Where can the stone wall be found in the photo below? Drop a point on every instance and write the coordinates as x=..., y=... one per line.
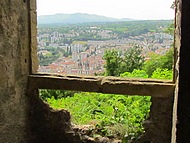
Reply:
x=159, y=124
x=177, y=50
x=14, y=69
x=182, y=103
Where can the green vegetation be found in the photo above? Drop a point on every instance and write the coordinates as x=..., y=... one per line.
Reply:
x=162, y=74
x=55, y=94
x=111, y=115
x=119, y=116
x=116, y=63
x=135, y=74
x=49, y=55
x=159, y=61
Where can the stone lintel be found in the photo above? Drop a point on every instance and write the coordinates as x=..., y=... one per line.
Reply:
x=110, y=85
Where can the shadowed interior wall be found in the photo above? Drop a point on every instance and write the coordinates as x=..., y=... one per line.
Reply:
x=183, y=86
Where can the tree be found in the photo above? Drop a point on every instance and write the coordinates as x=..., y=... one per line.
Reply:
x=116, y=63
x=162, y=74
x=159, y=61
x=133, y=59
x=151, y=65
x=170, y=29
x=113, y=61
x=167, y=60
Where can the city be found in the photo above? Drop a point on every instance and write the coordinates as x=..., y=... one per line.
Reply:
x=79, y=49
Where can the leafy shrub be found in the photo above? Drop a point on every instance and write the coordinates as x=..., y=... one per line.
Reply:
x=162, y=74
x=56, y=94
x=136, y=73
x=159, y=61
x=112, y=115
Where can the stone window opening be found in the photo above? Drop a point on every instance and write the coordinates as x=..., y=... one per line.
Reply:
x=161, y=92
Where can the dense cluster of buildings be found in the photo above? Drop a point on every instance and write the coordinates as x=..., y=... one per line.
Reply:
x=87, y=57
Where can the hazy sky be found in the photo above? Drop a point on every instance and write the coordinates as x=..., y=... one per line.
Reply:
x=136, y=9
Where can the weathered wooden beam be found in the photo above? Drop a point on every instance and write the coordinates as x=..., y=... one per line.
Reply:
x=111, y=85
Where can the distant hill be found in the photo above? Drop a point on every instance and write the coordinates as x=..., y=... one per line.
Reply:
x=76, y=18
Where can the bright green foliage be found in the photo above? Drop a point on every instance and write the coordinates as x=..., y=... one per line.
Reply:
x=167, y=60
x=159, y=61
x=152, y=64
x=115, y=115
x=170, y=29
x=56, y=94
x=133, y=59
x=135, y=74
x=162, y=74
x=111, y=114
x=117, y=64
x=113, y=61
